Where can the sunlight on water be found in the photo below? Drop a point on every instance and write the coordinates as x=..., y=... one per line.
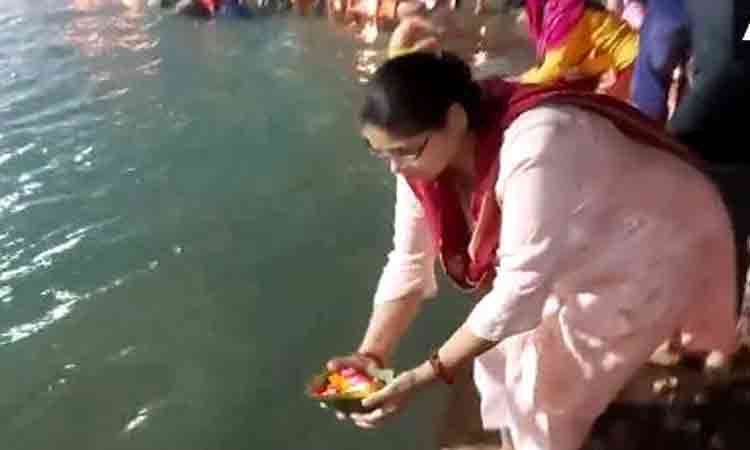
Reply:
x=137, y=421
x=366, y=63
x=22, y=331
x=65, y=300
x=369, y=33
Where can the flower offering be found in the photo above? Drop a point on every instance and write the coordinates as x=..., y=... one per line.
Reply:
x=344, y=389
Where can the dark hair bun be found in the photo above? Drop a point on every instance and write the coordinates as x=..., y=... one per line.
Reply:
x=412, y=93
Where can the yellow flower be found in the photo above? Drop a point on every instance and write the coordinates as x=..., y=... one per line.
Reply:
x=339, y=382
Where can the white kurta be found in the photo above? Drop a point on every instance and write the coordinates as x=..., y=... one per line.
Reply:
x=607, y=247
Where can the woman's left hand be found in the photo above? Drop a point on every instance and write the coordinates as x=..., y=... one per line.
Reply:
x=393, y=397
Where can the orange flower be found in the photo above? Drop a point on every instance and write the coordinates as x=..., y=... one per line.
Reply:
x=339, y=382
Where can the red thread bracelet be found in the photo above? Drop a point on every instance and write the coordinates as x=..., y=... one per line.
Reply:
x=439, y=368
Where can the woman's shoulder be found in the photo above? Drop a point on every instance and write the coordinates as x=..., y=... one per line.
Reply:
x=542, y=117
x=545, y=133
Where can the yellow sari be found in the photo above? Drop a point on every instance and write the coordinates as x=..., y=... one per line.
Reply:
x=599, y=42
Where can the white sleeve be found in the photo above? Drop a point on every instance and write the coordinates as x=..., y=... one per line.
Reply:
x=411, y=264
x=537, y=188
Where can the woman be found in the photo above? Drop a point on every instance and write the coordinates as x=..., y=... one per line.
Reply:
x=576, y=39
x=573, y=219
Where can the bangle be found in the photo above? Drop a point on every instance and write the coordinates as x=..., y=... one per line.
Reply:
x=395, y=51
x=439, y=368
x=373, y=357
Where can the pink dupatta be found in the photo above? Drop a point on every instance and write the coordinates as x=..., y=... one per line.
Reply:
x=550, y=21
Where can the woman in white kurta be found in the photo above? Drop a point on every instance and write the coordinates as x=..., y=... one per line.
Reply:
x=607, y=247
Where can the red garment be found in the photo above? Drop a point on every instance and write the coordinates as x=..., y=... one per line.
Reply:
x=211, y=5
x=469, y=257
x=551, y=20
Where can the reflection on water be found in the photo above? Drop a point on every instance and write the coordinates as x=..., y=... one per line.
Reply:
x=366, y=63
x=98, y=34
x=137, y=421
x=131, y=6
x=18, y=332
x=369, y=33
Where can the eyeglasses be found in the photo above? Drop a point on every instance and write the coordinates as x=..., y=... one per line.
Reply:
x=401, y=153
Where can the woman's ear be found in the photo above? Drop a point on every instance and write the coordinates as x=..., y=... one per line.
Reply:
x=456, y=119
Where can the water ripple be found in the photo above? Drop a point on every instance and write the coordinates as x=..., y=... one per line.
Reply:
x=143, y=415
x=7, y=155
x=137, y=421
x=67, y=299
x=5, y=292
x=150, y=68
x=96, y=35
x=9, y=203
x=24, y=330
x=42, y=201
x=8, y=259
x=44, y=258
x=61, y=109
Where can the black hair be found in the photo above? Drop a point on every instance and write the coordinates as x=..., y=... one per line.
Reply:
x=412, y=93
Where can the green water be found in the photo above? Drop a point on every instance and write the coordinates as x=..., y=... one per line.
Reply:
x=189, y=227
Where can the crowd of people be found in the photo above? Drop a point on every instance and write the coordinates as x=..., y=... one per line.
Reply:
x=595, y=206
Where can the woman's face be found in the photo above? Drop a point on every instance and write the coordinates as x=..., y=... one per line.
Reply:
x=424, y=155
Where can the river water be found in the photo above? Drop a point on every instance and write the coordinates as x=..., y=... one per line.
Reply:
x=189, y=226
